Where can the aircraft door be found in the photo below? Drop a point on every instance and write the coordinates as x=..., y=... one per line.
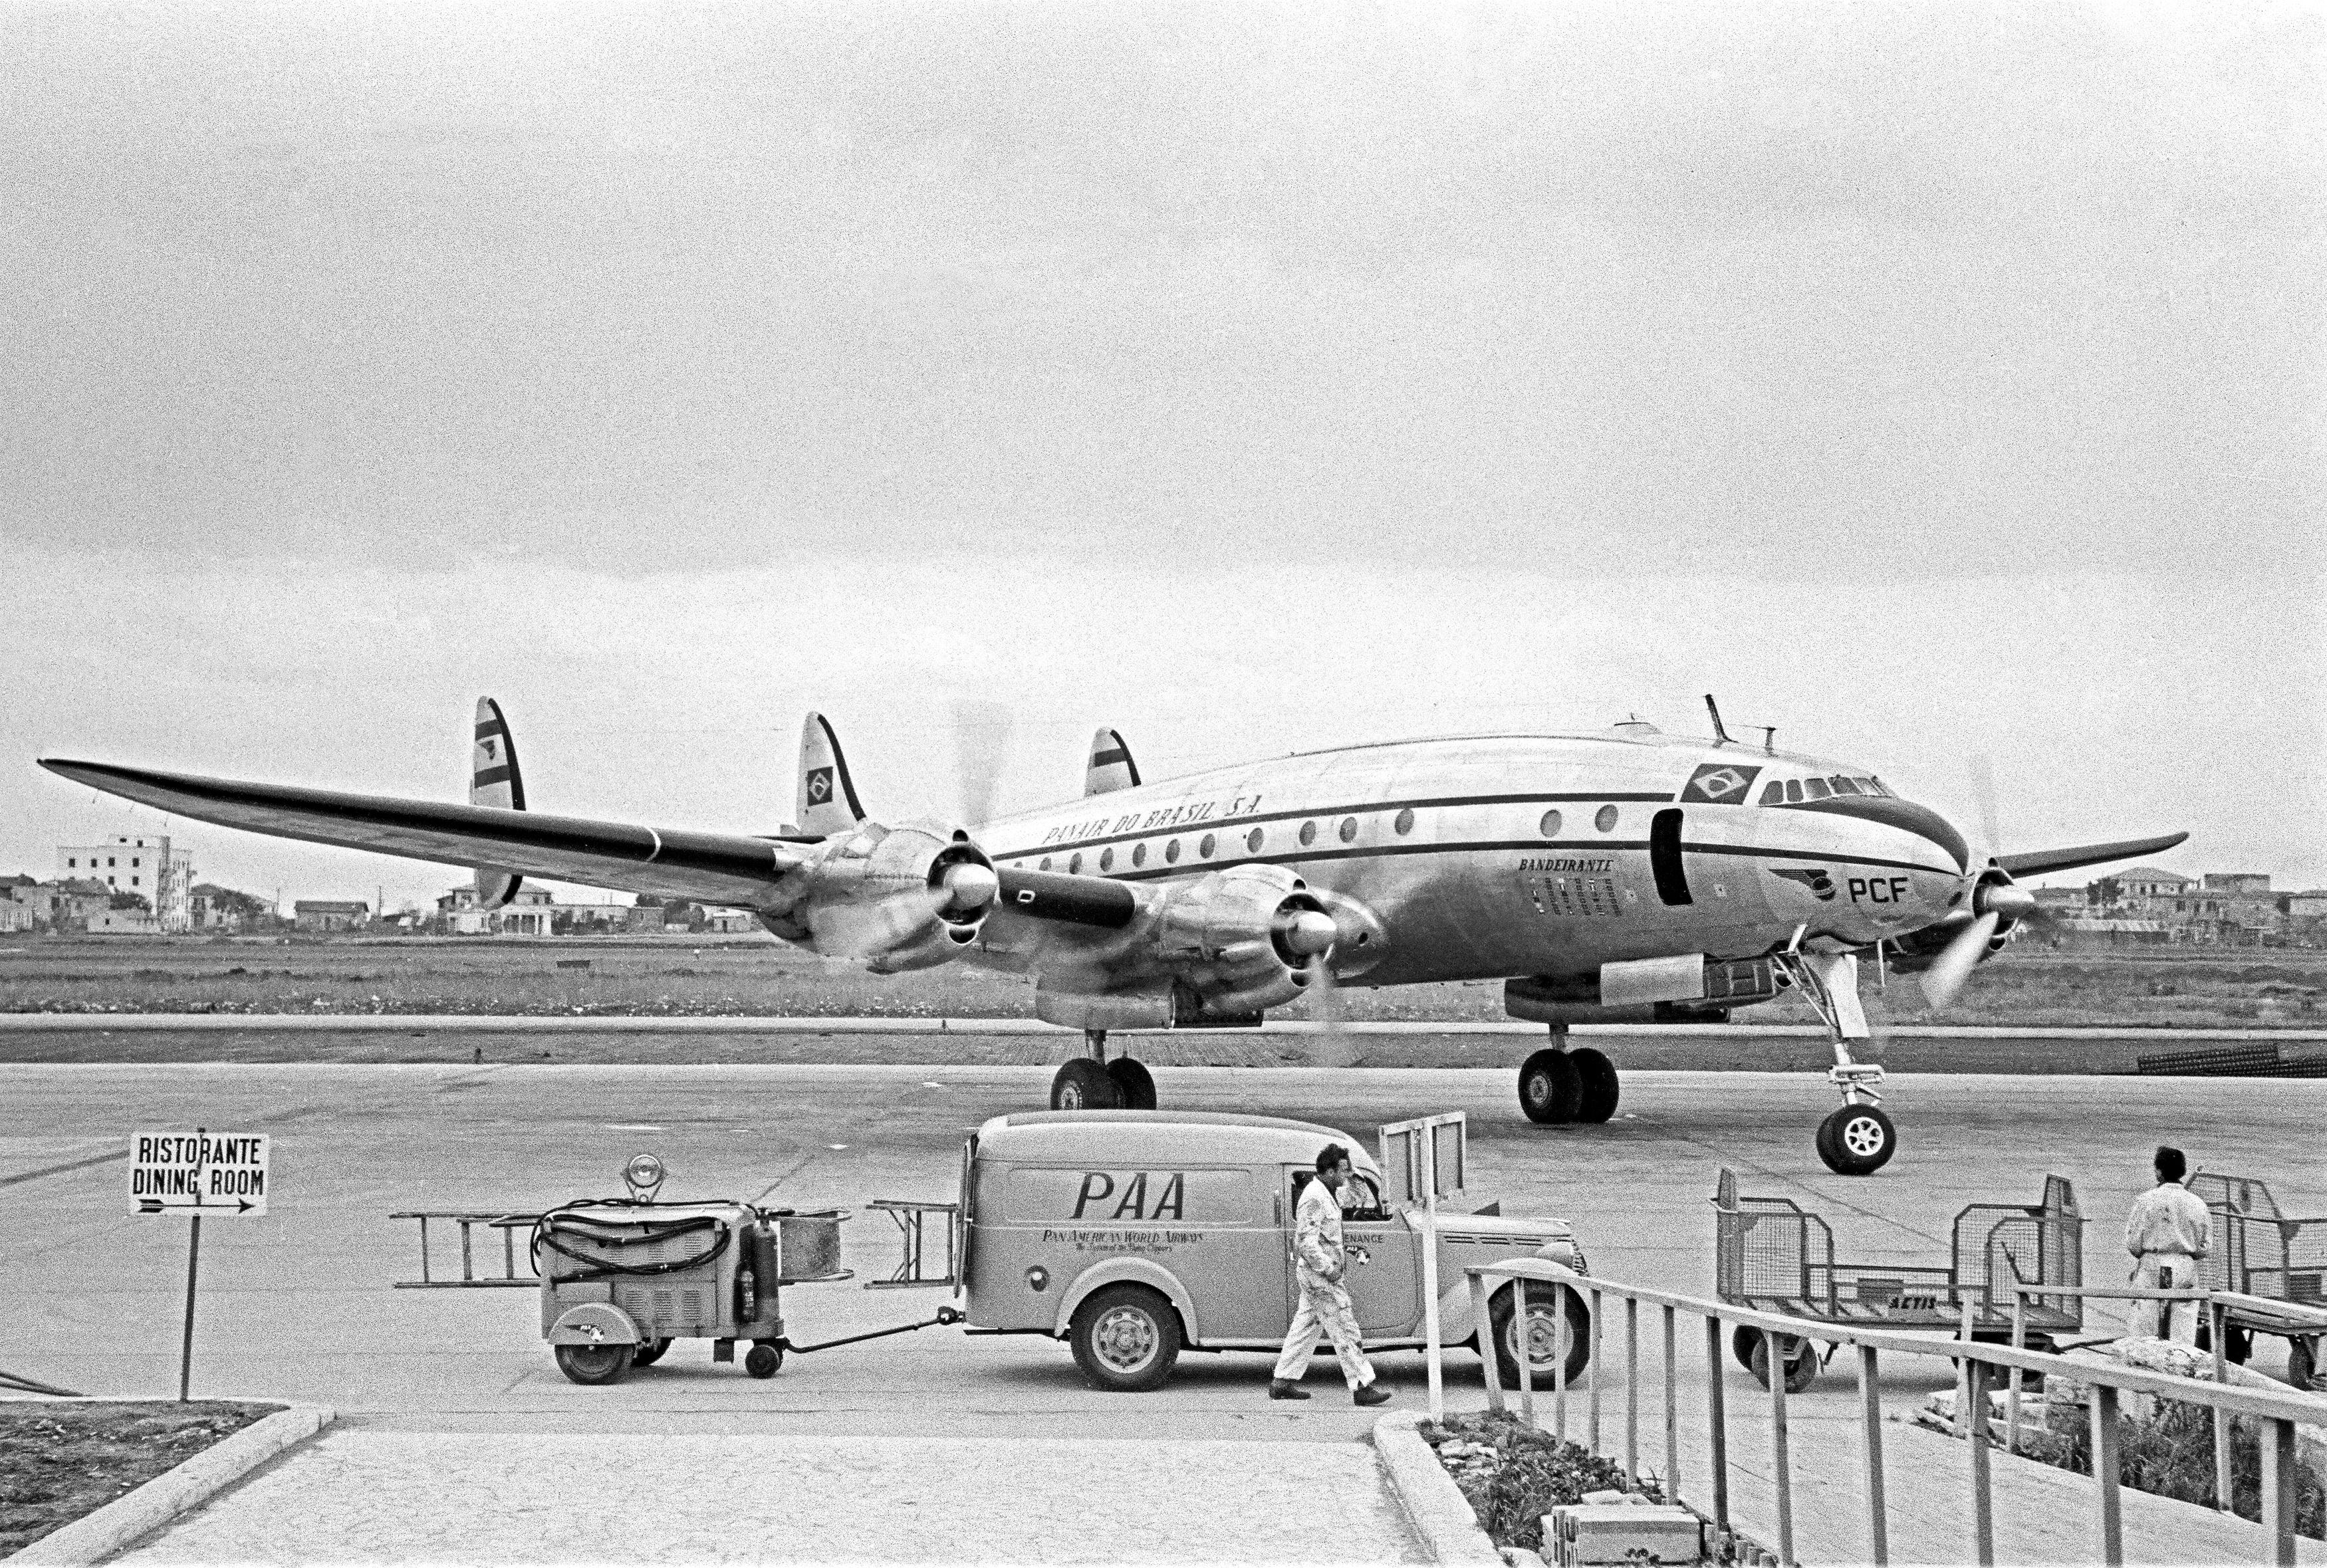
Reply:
x=1664, y=857
x=1385, y=1290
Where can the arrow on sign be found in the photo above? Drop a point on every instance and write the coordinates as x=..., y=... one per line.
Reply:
x=155, y=1206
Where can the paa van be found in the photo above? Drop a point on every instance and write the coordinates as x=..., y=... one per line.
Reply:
x=1137, y=1234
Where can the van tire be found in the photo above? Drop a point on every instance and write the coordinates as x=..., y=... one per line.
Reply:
x=1578, y=1318
x=1126, y=1337
x=594, y=1365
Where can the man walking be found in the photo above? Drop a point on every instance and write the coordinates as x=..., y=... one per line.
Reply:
x=2169, y=1233
x=1318, y=1262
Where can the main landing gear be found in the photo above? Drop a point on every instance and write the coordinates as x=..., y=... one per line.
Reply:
x=1093, y=1083
x=1560, y=1084
x=1857, y=1140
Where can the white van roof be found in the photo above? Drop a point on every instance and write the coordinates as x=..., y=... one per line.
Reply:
x=1205, y=1136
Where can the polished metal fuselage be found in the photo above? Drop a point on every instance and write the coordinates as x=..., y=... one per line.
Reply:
x=1506, y=856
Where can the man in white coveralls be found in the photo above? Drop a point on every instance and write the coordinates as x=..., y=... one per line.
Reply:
x=1318, y=1263
x=2169, y=1233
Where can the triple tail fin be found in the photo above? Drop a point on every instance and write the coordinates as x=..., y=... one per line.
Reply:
x=1111, y=766
x=827, y=795
x=494, y=781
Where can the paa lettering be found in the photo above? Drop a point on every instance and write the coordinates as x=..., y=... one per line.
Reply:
x=1881, y=890
x=1098, y=1186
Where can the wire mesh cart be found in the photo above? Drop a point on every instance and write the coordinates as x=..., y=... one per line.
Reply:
x=1773, y=1256
x=2260, y=1253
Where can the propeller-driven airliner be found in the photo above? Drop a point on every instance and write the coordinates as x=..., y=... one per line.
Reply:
x=1627, y=875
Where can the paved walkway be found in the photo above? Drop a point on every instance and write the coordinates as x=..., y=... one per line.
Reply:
x=399, y=1496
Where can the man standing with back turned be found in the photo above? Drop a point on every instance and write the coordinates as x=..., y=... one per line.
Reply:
x=2169, y=1233
x=1318, y=1262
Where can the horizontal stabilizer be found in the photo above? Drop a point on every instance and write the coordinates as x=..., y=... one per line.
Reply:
x=711, y=867
x=1111, y=766
x=2038, y=861
x=494, y=781
x=827, y=795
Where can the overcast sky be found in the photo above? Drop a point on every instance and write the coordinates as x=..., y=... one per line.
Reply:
x=1929, y=381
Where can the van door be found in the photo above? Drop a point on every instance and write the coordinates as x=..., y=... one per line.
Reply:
x=1385, y=1289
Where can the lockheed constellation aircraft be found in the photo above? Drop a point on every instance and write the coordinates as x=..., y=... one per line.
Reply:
x=1626, y=875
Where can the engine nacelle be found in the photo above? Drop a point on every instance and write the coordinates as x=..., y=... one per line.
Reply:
x=890, y=898
x=1233, y=939
x=1917, y=950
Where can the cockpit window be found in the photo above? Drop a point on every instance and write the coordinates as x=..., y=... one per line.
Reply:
x=1793, y=791
x=1816, y=789
x=1842, y=785
x=1773, y=793
x=1875, y=787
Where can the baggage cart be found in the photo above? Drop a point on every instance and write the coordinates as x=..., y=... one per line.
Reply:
x=2264, y=1255
x=1773, y=1256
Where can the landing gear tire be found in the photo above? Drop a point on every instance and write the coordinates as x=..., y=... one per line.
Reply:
x=649, y=1351
x=1858, y=1141
x=594, y=1363
x=1550, y=1088
x=1552, y=1326
x=1801, y=1361
x=1082, y=1085
x=1134, y=1086
x=1126, y=1339
x=763, y=1359
x=1599, y=1087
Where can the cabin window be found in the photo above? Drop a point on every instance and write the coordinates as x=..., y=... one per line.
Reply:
x=1139, y=853
x=1252, y=841
x=1106, y=859
x=1403, y=822
x=1308, y=833
x=1075, y=863
x=1816, y=789
x=1606, y=821
x=1205, y=847
x=1172, y=852
x=1549, y=825
x=1349, y=829
x=1045, y=865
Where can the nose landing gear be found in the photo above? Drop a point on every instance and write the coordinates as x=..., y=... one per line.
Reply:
x=1859, y=1139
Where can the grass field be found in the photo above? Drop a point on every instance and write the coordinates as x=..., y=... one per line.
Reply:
x=762, y=977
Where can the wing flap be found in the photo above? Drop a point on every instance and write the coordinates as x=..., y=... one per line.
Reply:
x=719, y=868
x=2038, y=861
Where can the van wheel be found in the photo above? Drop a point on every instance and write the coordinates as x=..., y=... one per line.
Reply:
x=594, y=1363
x=1126, y=1339
x=1556, y=1321
x=1082, y=1085
x=647, y=1352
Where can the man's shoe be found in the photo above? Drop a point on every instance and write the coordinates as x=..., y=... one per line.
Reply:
x=1371, y=1393
x=1278, y=1388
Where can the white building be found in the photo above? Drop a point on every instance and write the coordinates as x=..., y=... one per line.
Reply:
x=145, y=864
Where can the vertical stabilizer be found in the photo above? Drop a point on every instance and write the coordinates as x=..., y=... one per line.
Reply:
x=494, y=781
x=1111, y=766
x=827, y=795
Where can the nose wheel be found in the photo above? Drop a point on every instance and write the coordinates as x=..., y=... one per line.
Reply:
x=1859, y=1139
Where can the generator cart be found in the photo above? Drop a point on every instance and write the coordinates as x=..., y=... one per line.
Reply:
x=2262, y=1254
x=622, y=1278
x=1773, y=1256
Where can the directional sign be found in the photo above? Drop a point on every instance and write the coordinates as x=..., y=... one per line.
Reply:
x=200, y=1172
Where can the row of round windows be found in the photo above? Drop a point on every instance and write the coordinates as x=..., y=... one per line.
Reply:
x=1401, y=825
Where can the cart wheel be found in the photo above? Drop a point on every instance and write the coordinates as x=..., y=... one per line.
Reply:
x=2302, y=1364
x=1858, y=1141
x=1134, y=1086
x=1600, y=1087
x=594, y=1363
x=1801, y=1363
x=763, y=1359
x=649, y=1351
x=1550, y=1329
x=1126, y=1339
x=2236, y=1345
x=1082, y=1085
x=1742, y=1340
x=1550, y=1088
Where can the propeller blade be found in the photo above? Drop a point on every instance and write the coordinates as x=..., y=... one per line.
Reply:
x=981, y=742
x=1334, y=1048
x=1953, y=966
x=1983, y=793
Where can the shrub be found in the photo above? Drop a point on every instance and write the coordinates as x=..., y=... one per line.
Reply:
x=2172, y=1454
x=1531, y=1472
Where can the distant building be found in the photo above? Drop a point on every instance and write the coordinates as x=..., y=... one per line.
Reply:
x=2310, y=905
x=2237, y=882
x=2145, y=884
x=323, y=915
x=112, y=922
x=730, y=921
x=18, y=900
x=142, y=864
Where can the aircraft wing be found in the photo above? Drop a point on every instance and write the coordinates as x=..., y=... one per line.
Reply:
x=2037, y=862
x=712, y=867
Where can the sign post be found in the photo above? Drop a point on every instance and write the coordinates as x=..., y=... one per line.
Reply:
x=222, y=1175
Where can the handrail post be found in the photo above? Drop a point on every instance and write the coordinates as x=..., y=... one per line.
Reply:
x=2278, y=1494
x=1870, y=1410
x=468, y=1258
x=2012, y=1389
x=2220, y=1322
x=1592, y=1399
x=1983, y=1508
x=1716, y=1422
x=1781, y=1471
x=1631, y=1394
x=1672, y=1414
x=1963, y=1376
x=1522, y=1333
x=425, y=1278
x=2106, y=1465
x=1483, y=1324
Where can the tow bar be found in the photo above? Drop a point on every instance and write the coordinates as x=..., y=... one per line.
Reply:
x=946, y=1318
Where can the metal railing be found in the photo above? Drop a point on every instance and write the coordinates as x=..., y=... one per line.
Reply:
x=1981, y=1366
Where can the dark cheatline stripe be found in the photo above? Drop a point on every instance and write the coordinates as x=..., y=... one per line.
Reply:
x=1193, y=866
x=1109, y=759
x=1240, y=824
x=1905, y=814
x=492, y=776
x=491, y=728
